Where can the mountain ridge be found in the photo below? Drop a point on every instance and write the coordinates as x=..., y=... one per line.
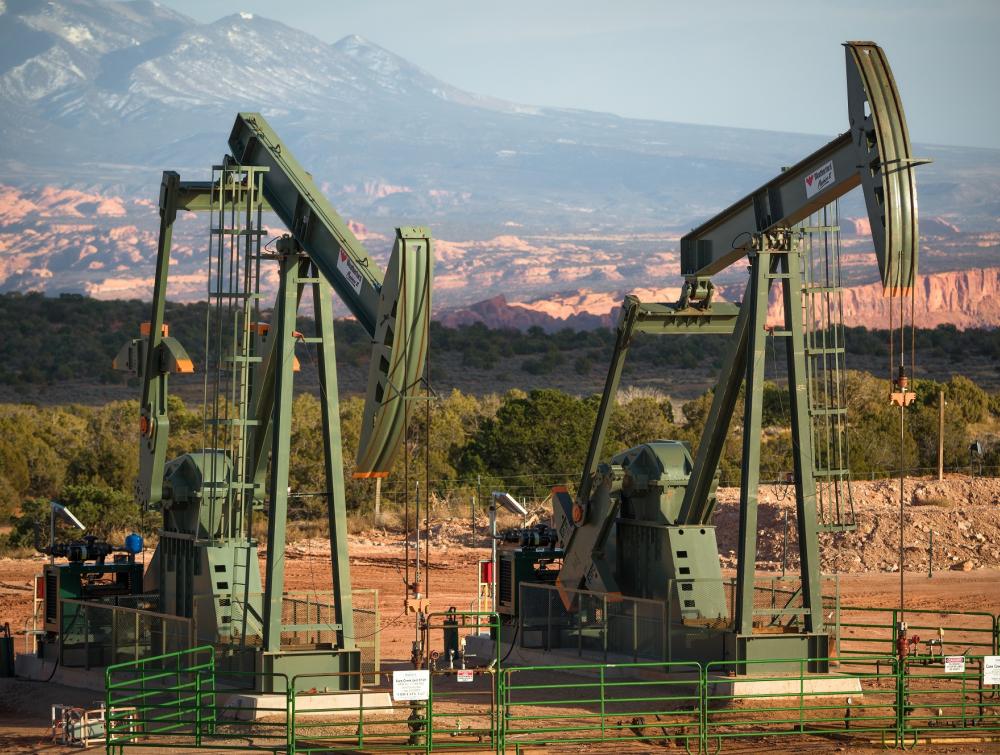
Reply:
x=965, y=299
x=525, y=201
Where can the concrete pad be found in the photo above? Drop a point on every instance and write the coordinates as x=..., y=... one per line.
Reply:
x=246, y=706
x=30, y=666
x=812, y=685
x=253, y=707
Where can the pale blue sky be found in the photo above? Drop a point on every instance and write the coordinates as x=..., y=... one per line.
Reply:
x=771, y=64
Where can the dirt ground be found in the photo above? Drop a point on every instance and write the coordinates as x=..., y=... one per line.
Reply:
x=377, y=559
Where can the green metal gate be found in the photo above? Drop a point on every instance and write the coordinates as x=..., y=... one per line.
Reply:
x=182, y=700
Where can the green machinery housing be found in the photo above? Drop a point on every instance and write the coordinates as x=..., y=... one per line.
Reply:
x=206, y=564
x=69, y=635
x=640, y=524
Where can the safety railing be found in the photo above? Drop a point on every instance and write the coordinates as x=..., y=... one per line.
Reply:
x=308, y=615
x=743, y=700
x=610, y=704
x=185, y=699
x=324, y=719
x=463, y=706
x=94, y=634
x=594, y=627
x=174, y=702
x=873, y=632
x=944, y=696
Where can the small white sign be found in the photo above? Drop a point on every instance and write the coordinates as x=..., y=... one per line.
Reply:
x=465, y=675
x=412, y=684
x=347, y=268
x=954, y=664
x=819, y=179
x=991, y=669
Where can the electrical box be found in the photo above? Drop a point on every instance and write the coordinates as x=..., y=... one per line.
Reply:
x=526, y=555
x=83, y=581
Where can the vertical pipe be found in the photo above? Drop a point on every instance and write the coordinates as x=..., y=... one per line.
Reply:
x=416, y=528
x=902, y=476
x=493, y=556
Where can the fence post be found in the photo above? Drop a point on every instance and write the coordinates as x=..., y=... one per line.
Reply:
x=606, y=623
x=703, y=706
x=602, y=704
x=802, y=697
x=361, y=709
x=290, y=714
x=197, y=709
x=429, y=709
x=500, y=724
x=900, y=698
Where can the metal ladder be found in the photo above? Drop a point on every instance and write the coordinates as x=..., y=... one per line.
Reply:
x=823, y=327
x=231, y=320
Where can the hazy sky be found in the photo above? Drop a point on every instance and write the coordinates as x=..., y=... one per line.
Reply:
x=771, y=64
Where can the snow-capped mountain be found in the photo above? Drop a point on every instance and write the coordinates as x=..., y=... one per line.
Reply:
x=99, y=97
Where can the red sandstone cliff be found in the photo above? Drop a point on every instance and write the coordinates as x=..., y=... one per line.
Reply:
x=966, y=299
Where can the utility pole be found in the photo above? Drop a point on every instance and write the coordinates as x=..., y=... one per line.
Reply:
x=941, y=434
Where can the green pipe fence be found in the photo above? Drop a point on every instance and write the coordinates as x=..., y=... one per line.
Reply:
x=744, y=700
x=463, y=707
x=937, y=703
x=613, y=704
x=184, y=700
x=872, y=632
x=173, y=702
x=365, y=720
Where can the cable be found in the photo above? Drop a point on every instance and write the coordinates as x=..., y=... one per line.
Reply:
x=55, y=663
x=513, y=642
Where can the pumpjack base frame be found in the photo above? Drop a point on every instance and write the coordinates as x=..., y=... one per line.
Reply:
x=780, y=652
x=336, y=670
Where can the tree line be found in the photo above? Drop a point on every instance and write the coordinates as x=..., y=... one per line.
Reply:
x=49, y=340
x=522, y=441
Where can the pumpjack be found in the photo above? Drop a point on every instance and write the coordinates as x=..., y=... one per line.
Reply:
x=206, y=562
x=640, y=524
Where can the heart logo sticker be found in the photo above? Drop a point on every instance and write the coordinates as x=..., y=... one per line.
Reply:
x=809, y=180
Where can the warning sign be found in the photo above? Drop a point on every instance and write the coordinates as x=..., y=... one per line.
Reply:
x=819, y=179
x=991, y=669
x=954, y=664
x=465, y=675
x=347, y=268
x=411, y=684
